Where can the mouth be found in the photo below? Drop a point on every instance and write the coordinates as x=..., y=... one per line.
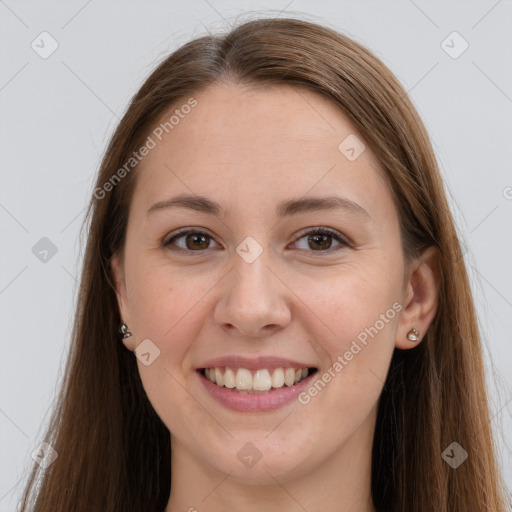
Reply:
x=256, y=381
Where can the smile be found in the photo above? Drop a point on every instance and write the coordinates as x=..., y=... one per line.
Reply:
x=254, y=386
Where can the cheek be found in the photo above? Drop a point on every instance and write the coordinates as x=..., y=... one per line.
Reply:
x=166, y=309
x=349, y=305
x=164, y=300
x=359, y=315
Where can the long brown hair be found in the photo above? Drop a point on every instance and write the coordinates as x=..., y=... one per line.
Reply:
x=114, y=451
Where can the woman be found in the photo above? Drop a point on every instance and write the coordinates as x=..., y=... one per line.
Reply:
x=274, y=309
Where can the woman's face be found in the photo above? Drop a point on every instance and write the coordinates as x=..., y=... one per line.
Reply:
x=259, y=286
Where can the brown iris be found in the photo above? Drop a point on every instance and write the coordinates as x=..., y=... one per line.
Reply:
x=323, y=240
x=197, y=239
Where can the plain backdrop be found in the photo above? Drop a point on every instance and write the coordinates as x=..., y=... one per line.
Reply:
x=58, y=111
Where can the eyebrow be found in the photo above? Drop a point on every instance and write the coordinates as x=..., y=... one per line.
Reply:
x=287, y=208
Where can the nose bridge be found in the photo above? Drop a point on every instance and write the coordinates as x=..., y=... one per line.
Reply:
x=252, y=280
x=252, y=299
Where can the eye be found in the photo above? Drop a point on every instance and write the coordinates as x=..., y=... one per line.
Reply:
x=320, y=240
x=193, y=241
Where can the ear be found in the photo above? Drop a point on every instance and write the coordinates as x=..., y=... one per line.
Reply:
x=421, y=297
x=120, y=287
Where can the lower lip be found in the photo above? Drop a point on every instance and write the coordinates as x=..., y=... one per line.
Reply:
x=264, y=402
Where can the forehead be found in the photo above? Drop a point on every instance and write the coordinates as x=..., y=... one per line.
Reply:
x=246, y=118
x=277, y=140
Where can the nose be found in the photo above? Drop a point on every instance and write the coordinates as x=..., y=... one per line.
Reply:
x=254, y=300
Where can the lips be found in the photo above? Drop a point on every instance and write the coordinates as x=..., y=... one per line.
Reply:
x=254, y=385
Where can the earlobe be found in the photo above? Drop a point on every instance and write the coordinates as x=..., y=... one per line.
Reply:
x=420, y=300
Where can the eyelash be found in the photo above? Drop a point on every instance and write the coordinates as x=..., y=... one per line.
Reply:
x=316, y=231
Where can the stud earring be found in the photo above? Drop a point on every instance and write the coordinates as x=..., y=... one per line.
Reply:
x=124, y=332
x=413, y=335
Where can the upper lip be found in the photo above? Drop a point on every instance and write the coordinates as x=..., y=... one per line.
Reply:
x=253, y=363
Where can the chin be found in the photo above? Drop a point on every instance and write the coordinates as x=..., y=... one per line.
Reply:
x=259, y=464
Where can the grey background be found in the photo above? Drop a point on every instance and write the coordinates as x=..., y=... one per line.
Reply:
x=58, y=113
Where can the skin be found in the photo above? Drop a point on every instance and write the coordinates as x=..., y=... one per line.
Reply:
x=249, y=149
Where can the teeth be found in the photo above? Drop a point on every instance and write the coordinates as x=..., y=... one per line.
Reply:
x=218, y=377
x=229, y=378
x=242, y=379
x=278, y=378
x=289, y=376
x=262, y=381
